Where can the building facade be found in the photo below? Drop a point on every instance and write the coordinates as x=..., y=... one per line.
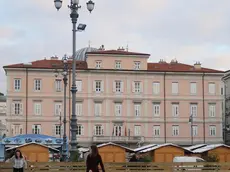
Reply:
x=121, y=98
x=2, y=115
x=226, y=118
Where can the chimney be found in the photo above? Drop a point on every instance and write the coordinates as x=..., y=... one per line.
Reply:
x=197, y=65
x=102, y=48
x=174, y=61
x=54, y=58
x=121, y=49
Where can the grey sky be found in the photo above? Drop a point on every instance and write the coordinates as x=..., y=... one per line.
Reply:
x=190, y=31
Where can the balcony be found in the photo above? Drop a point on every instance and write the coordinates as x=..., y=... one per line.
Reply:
x=118, y=139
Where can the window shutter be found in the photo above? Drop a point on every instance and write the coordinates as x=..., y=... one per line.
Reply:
x=20, y=129
x=94, y=130
x=54, y=130
x=33, y=129
x=141, y=87
x=102, y=130
x=62, y=130
x=102, y=86
x=12, y=129
x=40, y=129
x=133, y=87
x=13, y=109
x=122, y=86
x=82, y=130
x=21, y=109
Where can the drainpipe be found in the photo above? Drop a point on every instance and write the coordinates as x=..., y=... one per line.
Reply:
x=203, y=107
x=165, y=109
x=225, y=113
x=26, y=100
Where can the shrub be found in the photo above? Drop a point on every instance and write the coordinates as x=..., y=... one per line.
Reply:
x=211, y=158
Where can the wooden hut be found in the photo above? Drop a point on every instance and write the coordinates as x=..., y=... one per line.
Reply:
x=111, y=152
x=164, y=153
x=221, y=150
x=34, y=152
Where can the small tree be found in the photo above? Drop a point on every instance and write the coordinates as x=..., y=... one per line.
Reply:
x=74, y=156
x=211, y=158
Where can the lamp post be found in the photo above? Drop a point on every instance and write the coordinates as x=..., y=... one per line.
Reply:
x=65, y=79
x=74, y=6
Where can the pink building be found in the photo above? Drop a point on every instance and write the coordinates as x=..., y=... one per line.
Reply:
x=121, y=98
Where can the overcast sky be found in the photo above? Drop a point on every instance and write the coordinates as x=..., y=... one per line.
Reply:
x=190, y=31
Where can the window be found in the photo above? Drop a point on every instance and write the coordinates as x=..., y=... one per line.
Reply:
x=175, y=110
x=118, y=109
x=156, y=109
x=156, y=88
x=79, y=109
x=79, y=85
x=137, y=65
x=97, y=109
x=137, y=109
x=37, y=108
x=57, y=109
x=193, y=88
x=80, y=130
x=137, y=130
x=193, y=110
x=17, y=84
x=16, y=129
x=17, y=108
x=175, y=130
x=211, y=88
x=175, y=88
x=98, y=130
x=117, y=130
x=136, y=87
x=37, y=84
x=156, y=130
x=98, y=86
x=58, y=130
x=98, y=64
x=222, y=90
x=36, y=129
x=212, y=110
x=118, y=65
x=194, y=130
x=118, y=86
x=58, y=85
x=212, y=130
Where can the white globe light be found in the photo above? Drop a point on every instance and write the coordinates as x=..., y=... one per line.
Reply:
x=58, y=4
x=90, y=6
x=75, y=2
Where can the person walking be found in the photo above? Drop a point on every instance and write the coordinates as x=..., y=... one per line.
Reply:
x=19, y=162
x=93, y=160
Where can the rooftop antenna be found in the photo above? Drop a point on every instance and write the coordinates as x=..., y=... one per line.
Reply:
x=127, y=47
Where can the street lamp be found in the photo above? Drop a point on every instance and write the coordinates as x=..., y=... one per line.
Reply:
x=74, y=6
x=65, y=79
x=191, y=121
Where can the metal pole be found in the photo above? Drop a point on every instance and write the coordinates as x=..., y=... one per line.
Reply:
x=73, y=142
x=64, y=153
x=192, y=130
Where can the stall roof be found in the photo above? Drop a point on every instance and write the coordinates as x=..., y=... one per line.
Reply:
x=114, y=144
x=208, y=148
x=144, y=147
x=159, y=146
x=26, y=144
x=191, y=148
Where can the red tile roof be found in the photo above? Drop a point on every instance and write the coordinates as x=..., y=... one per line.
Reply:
x=118, y=52
x=153, y=67
x=47, y=64
x=178, y=67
